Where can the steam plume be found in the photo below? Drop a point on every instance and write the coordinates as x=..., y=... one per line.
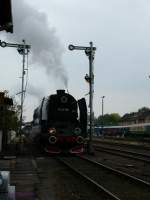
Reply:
x=36, y=92
x=32, y=25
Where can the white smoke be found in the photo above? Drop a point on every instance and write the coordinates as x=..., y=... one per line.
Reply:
x=46, y=49
x=36, y=92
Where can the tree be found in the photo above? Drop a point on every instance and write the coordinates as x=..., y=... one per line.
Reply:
x=12, y=117
x=108, y=119
x=9, y=112
x=144, y=109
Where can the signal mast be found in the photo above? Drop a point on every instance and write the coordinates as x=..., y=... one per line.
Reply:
x=23, y=49
x=90, y=52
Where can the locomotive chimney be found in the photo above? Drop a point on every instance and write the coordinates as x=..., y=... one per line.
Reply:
x=60, y=92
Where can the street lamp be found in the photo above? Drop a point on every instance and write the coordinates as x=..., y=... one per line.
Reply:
x=102, y=124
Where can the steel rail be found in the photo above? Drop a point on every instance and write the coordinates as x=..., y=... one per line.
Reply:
x=120, y=152
x=126, y=151
x=117, y=143
x=97, y=185
x=132, y=178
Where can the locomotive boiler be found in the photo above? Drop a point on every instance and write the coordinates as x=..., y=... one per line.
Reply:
x=60, y=123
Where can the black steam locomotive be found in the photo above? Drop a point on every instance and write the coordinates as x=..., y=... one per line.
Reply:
x=60, y=123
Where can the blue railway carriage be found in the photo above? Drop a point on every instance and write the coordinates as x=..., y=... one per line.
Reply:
x=138, y=130
x=134, y=130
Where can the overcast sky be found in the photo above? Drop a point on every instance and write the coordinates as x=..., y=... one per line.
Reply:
x=118, y=28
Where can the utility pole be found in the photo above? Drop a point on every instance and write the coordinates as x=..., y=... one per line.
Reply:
x=90, y=52
x=102, y=124
x=23, y=49
x=24, y=52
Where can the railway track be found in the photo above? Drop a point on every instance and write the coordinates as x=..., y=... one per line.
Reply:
x=114, y=183
x=56, y=182
x=122, y=144
x=124, y=153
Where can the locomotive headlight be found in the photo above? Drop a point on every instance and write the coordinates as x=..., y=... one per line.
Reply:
x=52, y=139
x=80, y=140
x=77, y=131
x=52, y=131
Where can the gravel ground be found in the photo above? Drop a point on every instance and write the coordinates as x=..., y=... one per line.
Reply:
x=44, y=178
x=53, y=181
x=131, y=166
x=117, y=184
x=138, y=147
x=59, y=183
